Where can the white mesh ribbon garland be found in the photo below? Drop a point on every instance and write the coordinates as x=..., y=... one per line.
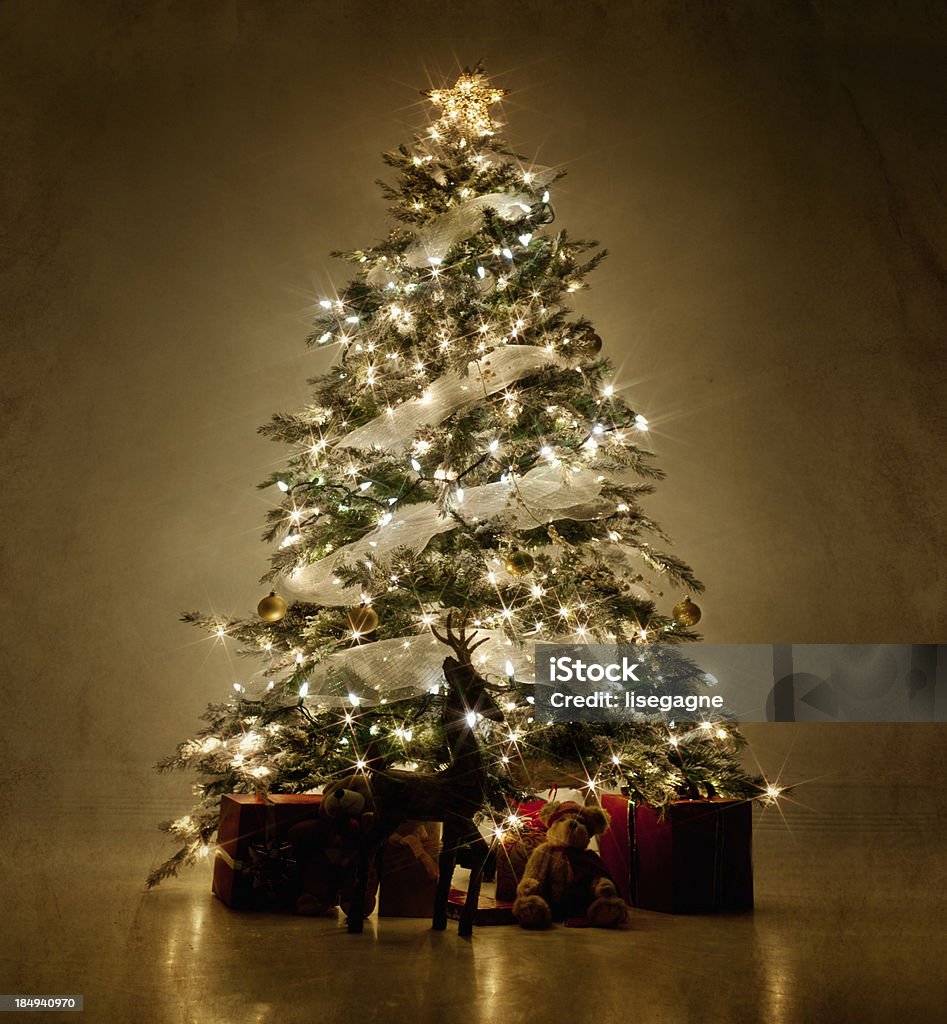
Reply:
x=410, y=666
x=452, y=391
x=545, y=493
x=439, y=236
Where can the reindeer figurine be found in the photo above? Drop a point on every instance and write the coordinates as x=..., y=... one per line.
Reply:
x=453, y=796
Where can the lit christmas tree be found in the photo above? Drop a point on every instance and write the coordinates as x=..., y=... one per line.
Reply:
x=469, y=450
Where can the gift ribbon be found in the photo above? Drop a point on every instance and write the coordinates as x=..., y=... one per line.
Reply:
x=231, y=862
x=633, y=854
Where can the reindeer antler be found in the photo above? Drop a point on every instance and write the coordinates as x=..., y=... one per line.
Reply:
x=460, y=644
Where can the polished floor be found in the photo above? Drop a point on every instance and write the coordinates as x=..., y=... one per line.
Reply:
x=848, y=927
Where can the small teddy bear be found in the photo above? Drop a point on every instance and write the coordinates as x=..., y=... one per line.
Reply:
x=327, y=848
x=565, y=880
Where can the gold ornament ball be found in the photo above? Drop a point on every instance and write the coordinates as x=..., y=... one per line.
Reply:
x=272, y=608
x=363, y=620
x=518, y=563
x=591, y=343
x=686, y=612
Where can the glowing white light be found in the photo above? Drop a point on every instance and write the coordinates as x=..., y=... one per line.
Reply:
x=525, y=239
x=282, y=485
x=415, y=465
x=640, y=422
x=507, y=253
x=508, y=668
x=354, y=700
x=325, y=303
x=471, y=717
x=481, y=273
x=304, y=689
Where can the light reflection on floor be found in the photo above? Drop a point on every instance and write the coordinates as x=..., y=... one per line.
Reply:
x=848, y=927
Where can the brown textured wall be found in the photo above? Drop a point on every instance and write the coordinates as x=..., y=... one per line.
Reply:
x=769, y=180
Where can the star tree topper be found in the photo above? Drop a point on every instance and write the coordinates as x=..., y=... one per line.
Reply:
x=466, y=113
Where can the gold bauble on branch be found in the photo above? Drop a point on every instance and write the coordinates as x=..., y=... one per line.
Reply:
x=589, y=343
x=518, y=563
x=272, y=608
x=686, y=612
x=363, y=620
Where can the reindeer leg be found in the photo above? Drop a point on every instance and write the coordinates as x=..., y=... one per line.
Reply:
x=445, y=867
x=356, y=916
x=481, y=851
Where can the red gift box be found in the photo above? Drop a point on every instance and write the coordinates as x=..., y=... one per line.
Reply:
x=409, y=870
x=254, y=865
x=692, y=857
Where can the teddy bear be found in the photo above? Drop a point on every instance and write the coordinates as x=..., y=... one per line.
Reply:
x=327, y=848
x=564, y=880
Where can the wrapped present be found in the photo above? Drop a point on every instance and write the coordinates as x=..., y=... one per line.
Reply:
x=489, y=910
x=255, y=866
x=409, y=870
x=692, y=857
x=515, y=847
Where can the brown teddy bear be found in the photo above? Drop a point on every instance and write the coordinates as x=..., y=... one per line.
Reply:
x=565, y=880
x=327, y=848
